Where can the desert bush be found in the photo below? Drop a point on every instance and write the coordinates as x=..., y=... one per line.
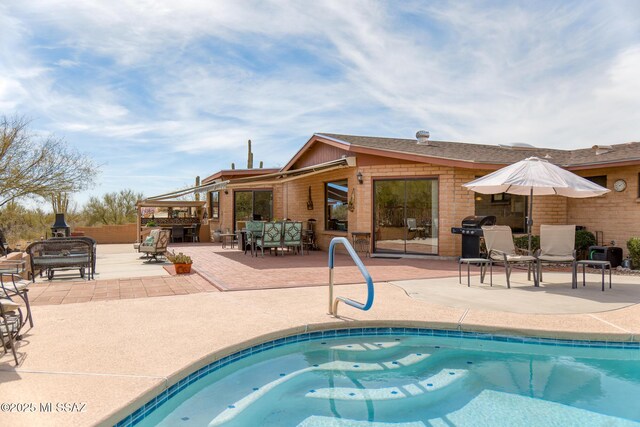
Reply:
x=522, y=242
x=633, y=244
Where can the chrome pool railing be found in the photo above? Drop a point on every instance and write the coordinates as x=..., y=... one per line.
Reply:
x=333, y=303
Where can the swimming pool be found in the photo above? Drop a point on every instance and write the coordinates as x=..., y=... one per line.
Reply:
x=409, y=378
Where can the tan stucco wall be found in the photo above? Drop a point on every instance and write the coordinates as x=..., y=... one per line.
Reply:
x=125, y=233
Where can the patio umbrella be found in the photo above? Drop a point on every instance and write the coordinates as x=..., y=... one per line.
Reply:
x=535, y=177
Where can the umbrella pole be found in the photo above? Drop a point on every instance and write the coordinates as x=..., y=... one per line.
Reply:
x=529, y=231
x=530, y=219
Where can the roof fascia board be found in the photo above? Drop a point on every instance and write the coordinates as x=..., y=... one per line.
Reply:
x=419, y=158
x=316, y=137
x=605, y=164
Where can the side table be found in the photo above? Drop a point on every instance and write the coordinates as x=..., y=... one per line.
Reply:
x=228, y=238
x=595, y=264
x=483, y=262
x=361, y=241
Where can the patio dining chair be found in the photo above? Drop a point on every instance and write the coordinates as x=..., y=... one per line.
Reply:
x=195, y=237
x=177, y=232
x=292, y=236
x=254, y=231
x=501, y=250
x=557, y=246
x=12, y=284
x=10, y=325
x=271, y=237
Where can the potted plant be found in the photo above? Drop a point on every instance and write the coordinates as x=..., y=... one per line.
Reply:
x=216, y=235
x=181, y=262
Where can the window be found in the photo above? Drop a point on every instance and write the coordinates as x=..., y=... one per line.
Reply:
x=214, y=205
x=501, y=198
x=336, y=205
x=601, y=180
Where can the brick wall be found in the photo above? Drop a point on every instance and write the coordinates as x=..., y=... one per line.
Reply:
x=619, y=220
x=616, y=214
x=125, y=233
x=454, y=201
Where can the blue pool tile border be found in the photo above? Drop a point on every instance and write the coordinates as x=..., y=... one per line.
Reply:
x=148, y=408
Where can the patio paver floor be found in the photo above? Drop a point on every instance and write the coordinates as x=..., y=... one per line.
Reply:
x=47, y=293
x=231, y=269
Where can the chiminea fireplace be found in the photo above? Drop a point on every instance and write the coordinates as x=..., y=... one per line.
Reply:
x=60, y=227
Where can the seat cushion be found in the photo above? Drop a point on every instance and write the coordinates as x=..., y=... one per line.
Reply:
x=20, y=285
x=520, y=258
x=8, y=305
x=556, y=258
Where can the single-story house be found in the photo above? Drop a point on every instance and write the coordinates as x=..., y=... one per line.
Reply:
x=408, y=193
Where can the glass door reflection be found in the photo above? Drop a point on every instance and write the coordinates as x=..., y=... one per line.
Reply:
x=406, y=216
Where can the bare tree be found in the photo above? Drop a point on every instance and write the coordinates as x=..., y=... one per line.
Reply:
x=35, y=166
x=113, y=208
x=60, y=202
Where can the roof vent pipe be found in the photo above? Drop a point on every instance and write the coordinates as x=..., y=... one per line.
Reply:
x=602, y=149
x=423, y=137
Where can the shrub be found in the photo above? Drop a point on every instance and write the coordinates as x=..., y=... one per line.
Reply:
x=151, y=224
x=634, y=251
x=584, y=239
x=522, y=242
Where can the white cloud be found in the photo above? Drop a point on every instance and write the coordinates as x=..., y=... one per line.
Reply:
x=200, y=77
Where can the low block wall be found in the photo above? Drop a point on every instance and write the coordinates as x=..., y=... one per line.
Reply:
x=125, y=233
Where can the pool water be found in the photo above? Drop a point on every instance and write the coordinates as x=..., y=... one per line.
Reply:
x=414, y=381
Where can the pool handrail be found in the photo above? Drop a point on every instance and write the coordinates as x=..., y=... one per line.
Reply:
x=333, y=304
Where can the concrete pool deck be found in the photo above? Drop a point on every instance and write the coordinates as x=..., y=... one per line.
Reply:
x=115, y=355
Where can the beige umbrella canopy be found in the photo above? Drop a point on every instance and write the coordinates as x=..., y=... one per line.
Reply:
x=535, y=177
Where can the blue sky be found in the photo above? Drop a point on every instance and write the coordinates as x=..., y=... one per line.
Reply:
x=161, y=91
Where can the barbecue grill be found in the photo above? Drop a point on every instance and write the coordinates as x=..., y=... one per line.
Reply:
x=471, y=231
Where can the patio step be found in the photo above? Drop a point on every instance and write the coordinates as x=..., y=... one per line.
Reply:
x=340, y=366
x=434, y=383
x=320, y=421
x=378, y=345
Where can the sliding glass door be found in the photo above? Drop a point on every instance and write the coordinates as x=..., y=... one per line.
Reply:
x=406, y=216
x=252, y=205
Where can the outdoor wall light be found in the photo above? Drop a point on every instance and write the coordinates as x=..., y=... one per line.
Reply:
x=226, y=191
x=359, y=176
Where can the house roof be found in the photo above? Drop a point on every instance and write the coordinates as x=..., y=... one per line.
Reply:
x=481, y=154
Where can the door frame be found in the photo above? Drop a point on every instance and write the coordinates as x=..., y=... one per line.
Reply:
x=374, y=179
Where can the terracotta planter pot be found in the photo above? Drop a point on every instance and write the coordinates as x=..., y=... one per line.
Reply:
x=182, y=268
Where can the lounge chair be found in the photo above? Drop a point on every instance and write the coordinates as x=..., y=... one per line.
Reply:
x=271, y=237
x=557, y=246
x=156, y=244
x=499, y=242
x=10, y=325
x=292, y=237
